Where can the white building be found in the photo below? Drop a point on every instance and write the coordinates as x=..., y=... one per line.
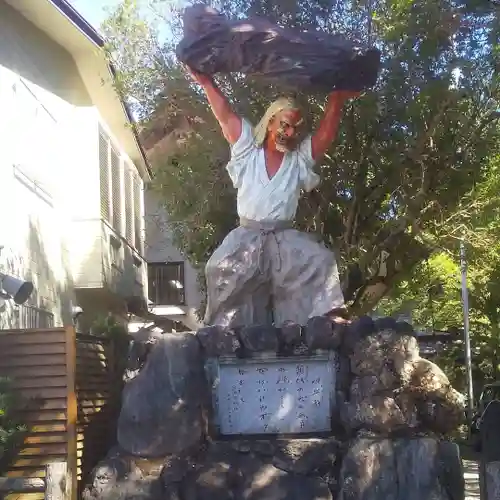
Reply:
x=72, y=171
x=172, y=281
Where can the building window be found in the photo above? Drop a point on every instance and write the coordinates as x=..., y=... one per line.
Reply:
x=116, y=191
x=129, y=204
x=137, y=193
x=121, y=193
x=110, y=169
x=105, y=187
x=166, y=283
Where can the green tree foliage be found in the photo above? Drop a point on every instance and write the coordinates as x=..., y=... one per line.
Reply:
x=433, y=293
x=10, y=427
x=407, y=153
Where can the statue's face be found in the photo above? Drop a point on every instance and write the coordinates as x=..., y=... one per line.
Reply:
x=284, y=130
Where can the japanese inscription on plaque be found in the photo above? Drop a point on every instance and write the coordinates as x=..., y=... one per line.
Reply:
x=275, y=397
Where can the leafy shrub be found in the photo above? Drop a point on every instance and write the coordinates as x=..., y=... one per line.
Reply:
x=11, y=429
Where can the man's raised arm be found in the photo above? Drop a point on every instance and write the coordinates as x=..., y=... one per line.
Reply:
x=329, y=124
x=229, y=121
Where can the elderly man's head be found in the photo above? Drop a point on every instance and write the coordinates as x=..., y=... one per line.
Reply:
x=281, y=125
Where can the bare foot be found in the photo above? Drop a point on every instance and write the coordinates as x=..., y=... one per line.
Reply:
x=339, y=320
x=339, y=316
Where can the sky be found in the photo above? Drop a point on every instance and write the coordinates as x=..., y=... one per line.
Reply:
x=94, y=10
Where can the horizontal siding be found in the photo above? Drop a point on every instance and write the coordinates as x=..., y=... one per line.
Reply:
x=36, y=362
x=95, y=389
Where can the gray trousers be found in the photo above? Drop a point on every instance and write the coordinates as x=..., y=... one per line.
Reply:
x=269, y=272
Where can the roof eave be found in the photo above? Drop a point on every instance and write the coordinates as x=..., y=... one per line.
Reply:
x=89, y=31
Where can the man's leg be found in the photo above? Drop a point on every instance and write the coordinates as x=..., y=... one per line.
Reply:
x=305, y=279
x=238, y=288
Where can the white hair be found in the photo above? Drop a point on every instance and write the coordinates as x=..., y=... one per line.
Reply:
x=281, y=104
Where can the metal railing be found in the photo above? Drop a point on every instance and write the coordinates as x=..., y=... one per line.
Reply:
x=34, y=317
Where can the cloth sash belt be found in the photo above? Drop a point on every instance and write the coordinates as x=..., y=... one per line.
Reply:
x=267, y=228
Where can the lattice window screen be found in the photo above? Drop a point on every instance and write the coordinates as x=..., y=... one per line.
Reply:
x=116, y=191
x=137, y=214
x=129, y=204
x=104, y=176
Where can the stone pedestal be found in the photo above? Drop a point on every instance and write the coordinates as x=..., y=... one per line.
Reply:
x=389, y=413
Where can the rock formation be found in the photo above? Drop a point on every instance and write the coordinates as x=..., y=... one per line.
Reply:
x=392, y=412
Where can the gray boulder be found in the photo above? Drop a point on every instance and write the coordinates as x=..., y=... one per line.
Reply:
x=235, y=472
x=162, y=406
x=401, y=469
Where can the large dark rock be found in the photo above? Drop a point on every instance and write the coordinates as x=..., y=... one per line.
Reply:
x=291, y=334
x=380, y=414
x=218, y=341
x=162, y=406
x=270, y=483
x=450, y=470
x=388, y=354
x=214, y=478
x=306, y=456
x=354, y=332
x=393, y=389
x=244, y=470
x=123, y=477
x=259, y=338
x=322, y=333
x=388, y=399
x=440, y=407
x=490, y=451
x=400, y=469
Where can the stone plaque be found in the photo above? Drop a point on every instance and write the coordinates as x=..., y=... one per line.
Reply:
x=270, y=395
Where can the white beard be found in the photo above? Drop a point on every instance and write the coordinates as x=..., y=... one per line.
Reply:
x=282, y=148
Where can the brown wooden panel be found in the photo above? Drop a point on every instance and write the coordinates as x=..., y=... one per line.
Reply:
x=34, y=371
x=94, y=411
x=31, y=349
x=88, y=394
x=38, y=382
x=44, y=393
x=71, y=423
x=104, y=376
x=34, y=360
x=23, y=472
x=43, y=450
x=37, y=331
x=36, y=462
x=47, y=428
x=42, y=438
x=98, y=367
x=91, y=356
x=35, y=417
x=32, y=337
x=94, y=403
x=92, y=365
x=101, y=369
x=46, y=404
x=44, y=365
x=94, y=362
x=25, y=496
x=40, y=332
x=94, y=389
x=90, y=348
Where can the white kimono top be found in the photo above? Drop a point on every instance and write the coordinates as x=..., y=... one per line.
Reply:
x=260, y=198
